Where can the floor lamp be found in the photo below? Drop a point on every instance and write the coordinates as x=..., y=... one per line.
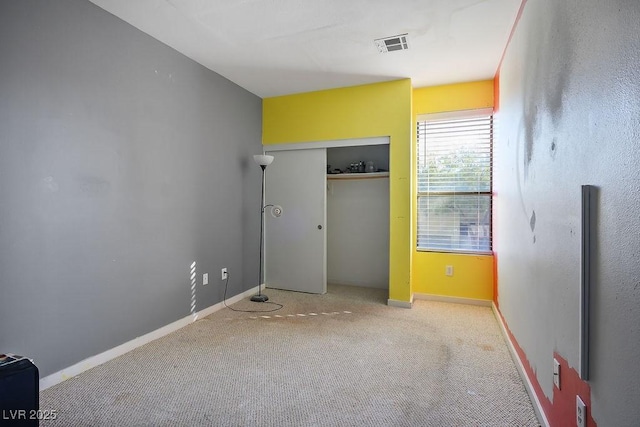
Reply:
x=263, y=161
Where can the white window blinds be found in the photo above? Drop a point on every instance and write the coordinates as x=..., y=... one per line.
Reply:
x=454, y=181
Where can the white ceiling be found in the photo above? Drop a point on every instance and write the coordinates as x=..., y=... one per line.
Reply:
x=278, y=47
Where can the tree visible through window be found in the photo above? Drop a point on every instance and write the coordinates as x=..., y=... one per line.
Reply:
x=454, y=181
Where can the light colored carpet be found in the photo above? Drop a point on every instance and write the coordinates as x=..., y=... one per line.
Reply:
x=340, y=359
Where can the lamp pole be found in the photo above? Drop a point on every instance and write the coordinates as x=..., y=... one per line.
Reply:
x=263, y=161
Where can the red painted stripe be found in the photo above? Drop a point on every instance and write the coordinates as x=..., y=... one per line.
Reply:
x=496, y=94
x=562, y=411
x=513, y=30
x=495, y=279
x=496, y=76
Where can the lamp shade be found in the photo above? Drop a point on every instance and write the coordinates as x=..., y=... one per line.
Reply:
x=263, y=159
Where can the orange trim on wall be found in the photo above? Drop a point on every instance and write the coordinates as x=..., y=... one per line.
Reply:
x=494, y=240
x=562, y=410
x=513, y=30
x=496, y=92
x=496, y=77
x=495, y=279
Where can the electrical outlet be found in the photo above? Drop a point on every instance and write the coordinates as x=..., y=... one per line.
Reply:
x=224, y=273
x=205, y=279
x=448, y=270
x=556, y=373
x=581, y=413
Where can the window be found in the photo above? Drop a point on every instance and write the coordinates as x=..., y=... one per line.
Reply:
x=454, y=181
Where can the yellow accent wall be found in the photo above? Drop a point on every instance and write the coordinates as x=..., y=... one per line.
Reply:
x=472, y=274
x=381, y=109
x=454, y=97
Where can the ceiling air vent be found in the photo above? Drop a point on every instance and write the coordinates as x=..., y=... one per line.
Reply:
x=389, y=44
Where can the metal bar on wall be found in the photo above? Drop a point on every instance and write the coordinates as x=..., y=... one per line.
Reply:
x=587, y=241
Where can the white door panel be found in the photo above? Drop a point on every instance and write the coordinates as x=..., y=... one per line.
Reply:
x=295, y=242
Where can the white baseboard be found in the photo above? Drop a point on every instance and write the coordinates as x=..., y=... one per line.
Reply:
x=456, y=300
x=400, y=303
x=110, y=354
x=537, y=407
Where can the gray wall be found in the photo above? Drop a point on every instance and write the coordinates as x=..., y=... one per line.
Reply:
x=121, y=163
x=569, y=114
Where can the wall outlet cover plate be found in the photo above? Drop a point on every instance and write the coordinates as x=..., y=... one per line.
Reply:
x=581, y=413
x=556, y=373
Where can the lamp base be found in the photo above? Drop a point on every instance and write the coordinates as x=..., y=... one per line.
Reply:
x=260, y=298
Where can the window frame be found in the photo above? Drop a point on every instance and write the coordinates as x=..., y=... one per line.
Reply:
x=454, y=115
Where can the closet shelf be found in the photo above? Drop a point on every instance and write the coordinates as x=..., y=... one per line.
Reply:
x=370, y=175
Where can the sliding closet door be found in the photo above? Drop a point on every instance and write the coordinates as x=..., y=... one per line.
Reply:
x=295, y=241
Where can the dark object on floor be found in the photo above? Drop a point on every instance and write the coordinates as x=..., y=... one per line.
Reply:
x=19, y=391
